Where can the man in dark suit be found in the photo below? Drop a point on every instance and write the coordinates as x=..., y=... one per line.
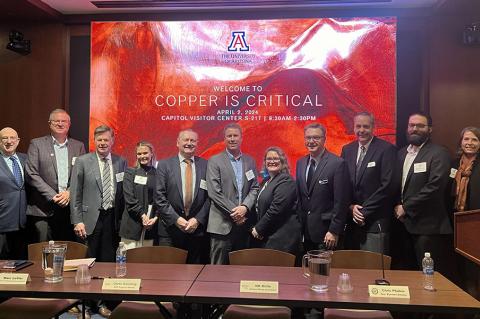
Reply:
x=371, y=162
x=13, y=201
x=97, y=203
x=233, y=187
x=424, y=168
x=182, y=199
x=323, y=191
x=49, y=165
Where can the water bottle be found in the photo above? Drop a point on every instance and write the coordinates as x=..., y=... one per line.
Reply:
x=121, y=260
x=427, y=265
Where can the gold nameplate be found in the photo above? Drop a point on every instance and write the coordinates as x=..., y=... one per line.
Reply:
x=263, y=287
x=9, y=278
x=388, y=291
x=121, y=284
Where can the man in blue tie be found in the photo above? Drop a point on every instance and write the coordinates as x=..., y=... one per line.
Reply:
x=13, y=202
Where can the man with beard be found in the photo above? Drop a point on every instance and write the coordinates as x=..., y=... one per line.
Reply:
x=422, y=208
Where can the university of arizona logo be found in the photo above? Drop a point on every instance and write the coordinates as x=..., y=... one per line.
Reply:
x=238, y=42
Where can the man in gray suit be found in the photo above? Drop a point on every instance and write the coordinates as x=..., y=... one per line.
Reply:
x=97, y=196
x=182, y=198
x=49, y=165
x=13, y=202
x=233, y=187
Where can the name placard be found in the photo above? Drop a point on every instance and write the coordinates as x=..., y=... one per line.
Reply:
x=121, y=284
x=9, y=278
x=389, y=291
x=263, y=287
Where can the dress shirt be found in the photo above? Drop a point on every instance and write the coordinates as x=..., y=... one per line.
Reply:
x=360, y=148
x=317, y=160
x=237, y=166
x=409, y=158
x=7, y=160
x=61, y=156
x=112, y=175
x=183, y=167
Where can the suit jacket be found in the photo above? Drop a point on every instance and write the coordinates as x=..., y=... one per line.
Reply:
x=136, y=204
x=169, y=197
x=276, y=213
x=223, y=191
x=424, y=196
x=13, y=199
x=324, y=206
x=374, y=189
x=86, y=190
x=41, y=173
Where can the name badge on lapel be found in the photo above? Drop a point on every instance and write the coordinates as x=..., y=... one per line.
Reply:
x=203, y=184
x=119, y=177
x=141, y=180
x=250, y=175
x=371, y=164
x=420, y=167
x=73, y=160
x=453, y=172
x=323, y=181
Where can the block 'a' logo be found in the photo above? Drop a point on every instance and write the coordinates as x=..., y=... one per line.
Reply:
x=238, y=43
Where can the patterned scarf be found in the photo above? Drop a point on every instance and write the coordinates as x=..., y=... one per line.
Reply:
x=462, y=177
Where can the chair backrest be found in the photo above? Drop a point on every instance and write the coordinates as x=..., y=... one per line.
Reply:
x=261, y=257
x=74, y=250
x=157, y=255
x=359, y=259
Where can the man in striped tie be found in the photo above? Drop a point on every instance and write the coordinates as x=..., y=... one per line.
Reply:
x=96, y=198
x=13, y=201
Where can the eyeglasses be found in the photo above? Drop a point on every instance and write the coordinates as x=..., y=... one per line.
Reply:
x=313, y=138
x=59, y=121
x=272, y=159
x=5, y=139
x=419, y=125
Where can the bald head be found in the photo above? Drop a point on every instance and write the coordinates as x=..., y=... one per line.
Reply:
x=9, y=141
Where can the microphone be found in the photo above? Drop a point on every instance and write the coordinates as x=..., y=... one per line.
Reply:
x=383, y=281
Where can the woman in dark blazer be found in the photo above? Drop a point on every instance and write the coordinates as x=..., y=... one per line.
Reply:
x=465, y=172
x=277, y=226
x=139, y=219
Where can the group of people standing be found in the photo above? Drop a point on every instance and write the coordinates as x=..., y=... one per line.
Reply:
x=210, y=208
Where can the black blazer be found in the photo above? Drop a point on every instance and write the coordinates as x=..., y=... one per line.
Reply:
x=13, y=200
x=169, y=196
x=276, y=213
x=136, y=204
x=375, y=188
x=324, y=206
x=425, y=197
x=473, y=188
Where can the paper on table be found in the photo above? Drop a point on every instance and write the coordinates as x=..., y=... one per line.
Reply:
x=72, y=264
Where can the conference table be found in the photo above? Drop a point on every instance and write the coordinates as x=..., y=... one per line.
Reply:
x=220, y=284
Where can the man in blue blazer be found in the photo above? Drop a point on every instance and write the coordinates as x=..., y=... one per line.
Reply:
x=13, y=201
x=371, y=164
x=182, y=199
x=323, y=191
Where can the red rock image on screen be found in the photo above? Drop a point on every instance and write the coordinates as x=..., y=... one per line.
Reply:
x=151, y=79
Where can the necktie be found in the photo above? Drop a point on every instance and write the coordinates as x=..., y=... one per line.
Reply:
x=17, y=173
x=363, y=151
x=311, y=170
x=106, y=185
x=188, y=185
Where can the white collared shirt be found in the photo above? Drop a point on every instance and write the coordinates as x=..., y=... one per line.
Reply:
x=407, y=164
x=360, y=148
x=183, y=168
x=61, y=157
x=101, y=163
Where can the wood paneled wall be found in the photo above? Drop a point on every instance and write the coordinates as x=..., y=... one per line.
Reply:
x=32, y=85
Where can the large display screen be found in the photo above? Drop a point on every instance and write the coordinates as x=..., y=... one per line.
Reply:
x=149, y=80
